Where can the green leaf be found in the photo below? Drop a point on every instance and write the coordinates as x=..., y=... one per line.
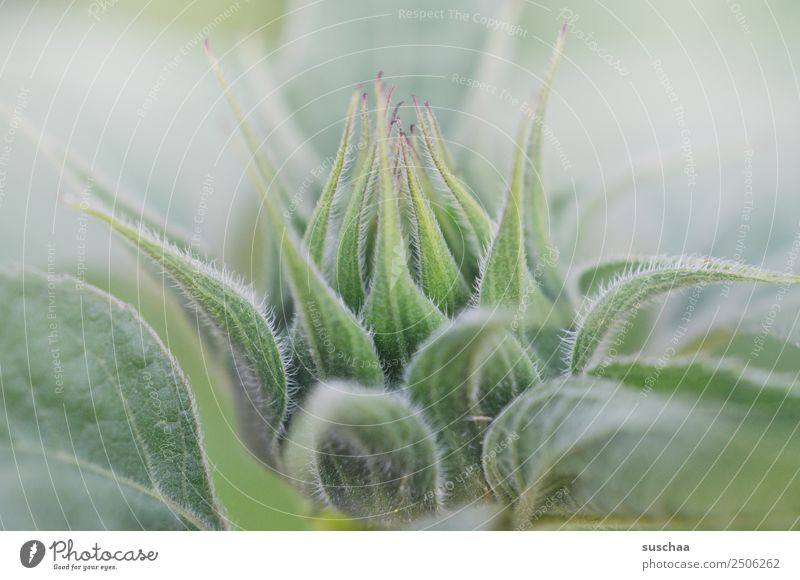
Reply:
x=267, y=176
x=97, y=422
x=438, y=136
x=629, y=291
x=474, y=219
x=348, y=276
x=366, y=453
x=505, y=279
x=462, y=378
x=618, y=456
x=259, y=363
x=304, y=370
x=542, y=253
x=756, y=346
x=316, y=235
x=339, y=345
x=439, y=275
x=396, y=310
x=254, y=251
x=717, y=380
x=593, y=278
x=446, y=217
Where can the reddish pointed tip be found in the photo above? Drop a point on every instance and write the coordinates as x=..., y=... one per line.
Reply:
x=380, y=75
x=416, y=102
x=396, y=111
x=209, y=51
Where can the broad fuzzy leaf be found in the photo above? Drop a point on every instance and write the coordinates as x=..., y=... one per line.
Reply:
x=756, y=346
x=233, y=311
x=366, y=453
x=439, y=275
x=613, y=455
x=629, y=291
x=474, y=219
x=396, y=310
x=96, y=418
x=462, y=378
x=718, y=381
x=316, y=235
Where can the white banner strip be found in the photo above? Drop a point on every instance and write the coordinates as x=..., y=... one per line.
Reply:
x=401, y=555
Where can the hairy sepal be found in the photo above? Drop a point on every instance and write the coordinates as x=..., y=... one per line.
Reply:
x=627, y=293
x=462, y=378
x=368, y=454
x=396, y=310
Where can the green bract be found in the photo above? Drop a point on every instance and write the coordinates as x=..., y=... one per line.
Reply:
x=435, y=357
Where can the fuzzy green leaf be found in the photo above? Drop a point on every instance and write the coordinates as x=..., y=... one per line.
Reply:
x=97, y=422
x=366, y=453
x=234, y=312
x=717, y=380
x=474, y=219
x=629, y=291
x=396, y=310
x=266, y=174
x=348, y=276
x=505, y=279
x=316, y=235
x=593, y=278
x=439, y=275
x=339, y=345
x=446, y=217
x=462, y=378
x=756, y=346
x=611, y=454
x=542, y=253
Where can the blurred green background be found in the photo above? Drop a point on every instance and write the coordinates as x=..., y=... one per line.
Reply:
x=669, y=122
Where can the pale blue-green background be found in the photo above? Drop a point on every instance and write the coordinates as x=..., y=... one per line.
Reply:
x=130, y=91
